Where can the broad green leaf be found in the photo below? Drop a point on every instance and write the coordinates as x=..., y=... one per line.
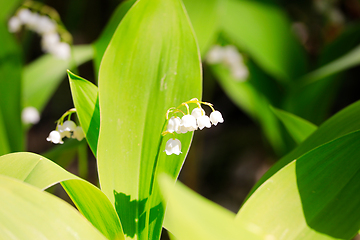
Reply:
x=342, y=123
x=10, y=89
x=103, y=41
x=42, y=77
x=151, y=64
x=263, y=31
x=253, y=102
x=28, y=213
x=86, y=101
x=298, y=128
x=313, y=197
x=192, y=217
x=43, y=173
x=204, y=16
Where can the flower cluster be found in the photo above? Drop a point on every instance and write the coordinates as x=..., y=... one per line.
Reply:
x=230, y=56
x=188, y=122
x=46, y=27
x=67, y=129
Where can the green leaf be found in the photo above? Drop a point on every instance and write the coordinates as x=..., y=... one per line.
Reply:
x=204, y=17
x=151, y=64
x=6, y=8
x=103, y=41
x=311, y=195
x=345, y=62
x=298, y=128
x=10, y=89
x=263, y=31
x=253, y=102
x=342, y=123
x=4, y=144
x=42, y=77
x=28, y=213
x=192, y=217
x=86, y=101
x=43, y=173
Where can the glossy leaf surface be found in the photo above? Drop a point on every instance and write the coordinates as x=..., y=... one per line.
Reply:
x=342, y=123
x=151, y=64
x=192, y=217
x=42, y=173
x=86, y=101
x=298, y=128
x=311, y=195
x=29, y=213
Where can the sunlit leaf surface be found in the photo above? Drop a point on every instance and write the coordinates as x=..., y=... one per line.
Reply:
x=192, y=217
x=342, y=123
x=311, y=195
x=42, y=173
x=151, y=64
x=28, y=213
x=86, y=101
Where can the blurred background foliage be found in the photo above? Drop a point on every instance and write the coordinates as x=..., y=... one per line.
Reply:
x=301, y=57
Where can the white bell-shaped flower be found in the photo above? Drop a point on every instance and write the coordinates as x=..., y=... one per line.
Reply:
x=189, y=122
x=182, y=129
x=30, y=115
x=173, y=124
x=14, y=24
x=24, y=15
x=61, y=50
x=55, y=137
x=33, y=22
x=173, y=146
x=45, y=25
x=63, y=132
x=197, y=112
x=203, y=121
x=216, y=117
x=69, y=126
x=215, y=55
x=78, y=133
x=49, y=41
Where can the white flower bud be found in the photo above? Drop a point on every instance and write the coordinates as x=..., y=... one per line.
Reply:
x=45, y=25
x=189, y=122
x=55, y=137
x=215, y=55
x=240, y=72
x=49, y=41
x=173, y=146
x=69, y=126
x=14, y=24
x=203, y=121
x=197, y=112
x=173, y=124
x=78, y=133
x=182, y=129
x=63, y=132
x=216, y=117
x=232, y=55
x=30, y=115
x=33, y=22
x=25, y=15
x=61, y=50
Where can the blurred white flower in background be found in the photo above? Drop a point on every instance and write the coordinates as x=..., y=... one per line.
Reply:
x=46, y=27
x=30, y=115
x=230, y=57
